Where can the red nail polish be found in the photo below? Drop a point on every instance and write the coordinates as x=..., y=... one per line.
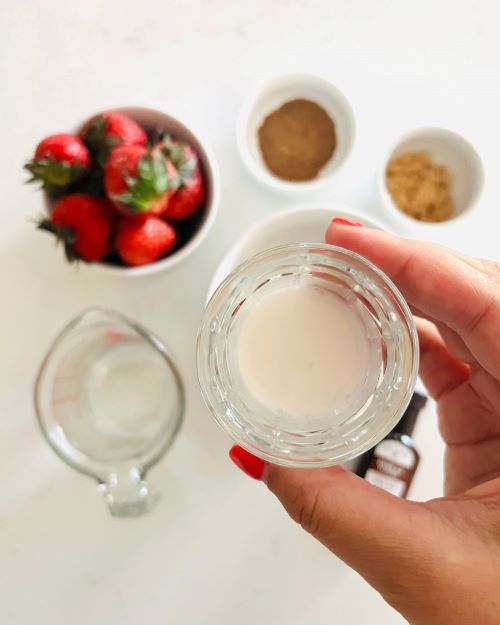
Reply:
x=247, y=462
x=345, y=222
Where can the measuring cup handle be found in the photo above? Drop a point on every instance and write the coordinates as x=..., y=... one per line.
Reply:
x=127, y=493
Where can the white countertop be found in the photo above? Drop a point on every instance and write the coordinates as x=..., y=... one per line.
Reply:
x=218, y=549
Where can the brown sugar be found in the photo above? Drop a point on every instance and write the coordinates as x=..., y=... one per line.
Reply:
x=419, y=187
x=297, y=140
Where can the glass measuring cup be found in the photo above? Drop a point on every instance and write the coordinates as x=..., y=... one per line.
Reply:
x=109, y=401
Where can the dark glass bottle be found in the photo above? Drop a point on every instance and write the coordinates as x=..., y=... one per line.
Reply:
x=392, y=463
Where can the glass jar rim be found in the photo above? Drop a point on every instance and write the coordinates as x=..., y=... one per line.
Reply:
x=227, y=408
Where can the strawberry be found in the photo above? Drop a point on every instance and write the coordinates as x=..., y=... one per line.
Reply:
x=84, y=224
x=187, y=199
x=191, y=193
x=59, y=160
x=139, y=181
x=109, y=130
x=144, y=240
x=182, y=156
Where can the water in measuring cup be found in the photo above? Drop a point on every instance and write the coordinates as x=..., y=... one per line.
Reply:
x=111, y=397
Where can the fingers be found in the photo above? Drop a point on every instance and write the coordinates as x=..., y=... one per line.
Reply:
x=354, y=519
x=469, y=414
x=438, y=283
x=466, y=397
x=378, y=534
x=386, y=539
x=455, y=343
x=440, y=371
x=468, y=466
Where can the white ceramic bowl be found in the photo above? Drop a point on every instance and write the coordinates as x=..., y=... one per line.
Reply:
x=271, y=96
x=303, y=223
x=446, y=148
x=156, y=119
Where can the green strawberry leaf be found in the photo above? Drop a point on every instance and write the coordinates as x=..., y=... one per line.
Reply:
x=98, y=142
x=127, y=198
x=174, y=182
x=177, y=154
x=165, y=143
x=151, y=182
x=160, y=175
x=65, y=235
x=175, y=151
x=52, y=172
x=186, y=170
x=129, y=180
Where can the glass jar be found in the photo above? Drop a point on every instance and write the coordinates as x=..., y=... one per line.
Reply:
x=110, y=401
x=372, y=409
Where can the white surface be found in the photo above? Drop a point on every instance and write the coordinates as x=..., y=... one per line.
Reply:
x=446, y=148
x=218, y=549
x=267, y=99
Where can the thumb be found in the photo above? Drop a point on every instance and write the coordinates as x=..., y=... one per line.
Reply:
x=381, y=536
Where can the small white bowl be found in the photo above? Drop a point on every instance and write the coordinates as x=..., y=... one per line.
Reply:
x=446, y=148
x=151, y=118
x=270, y=97
x=303, y=223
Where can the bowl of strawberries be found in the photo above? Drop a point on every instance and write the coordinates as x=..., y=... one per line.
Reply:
x=132, y=191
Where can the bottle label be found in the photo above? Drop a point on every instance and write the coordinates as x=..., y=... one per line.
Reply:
x=394, y=451
x=392, y=467
x=390, y=484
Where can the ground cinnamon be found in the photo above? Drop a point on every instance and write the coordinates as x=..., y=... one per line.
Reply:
x=297, y=140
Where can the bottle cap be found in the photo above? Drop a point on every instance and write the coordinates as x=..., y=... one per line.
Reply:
x=406, y=425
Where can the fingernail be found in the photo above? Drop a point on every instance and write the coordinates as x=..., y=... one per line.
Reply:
x=345, y=222
x=247, y=462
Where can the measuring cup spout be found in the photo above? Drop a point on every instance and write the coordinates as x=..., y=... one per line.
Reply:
x=127, y=493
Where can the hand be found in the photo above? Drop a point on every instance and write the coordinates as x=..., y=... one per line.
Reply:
x=436, y=562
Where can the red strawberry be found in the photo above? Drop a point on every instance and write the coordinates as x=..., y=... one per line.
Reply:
x=84, y=224
x=126, y=129
x=111, y=129
x=139, y=181
x=187, y=199
x=191, y=193
x=144, y=240
x=59, y=160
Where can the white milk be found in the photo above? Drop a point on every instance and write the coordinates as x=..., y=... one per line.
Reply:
x=302, y=351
